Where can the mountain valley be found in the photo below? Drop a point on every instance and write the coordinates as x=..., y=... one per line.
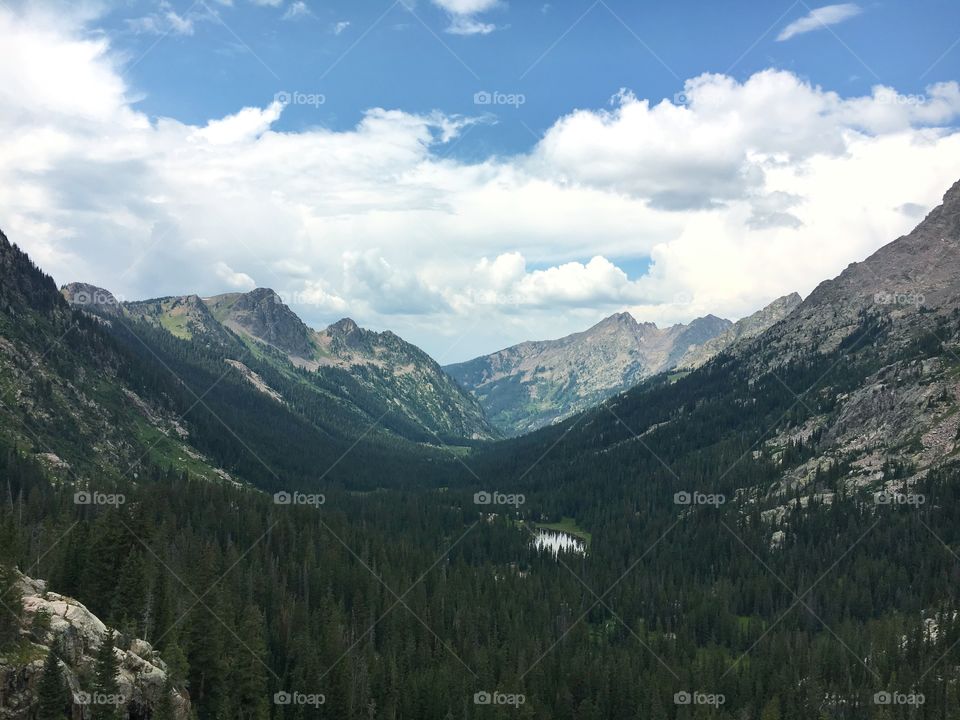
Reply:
x=774, y=524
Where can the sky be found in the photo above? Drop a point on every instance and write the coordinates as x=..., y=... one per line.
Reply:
x=473, y=173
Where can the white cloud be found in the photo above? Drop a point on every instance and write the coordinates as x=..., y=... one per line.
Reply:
x=248, y=124
x=296, y=10
x=466, y=7
x=747, y=191
x=341, y=26
x=465, y=25
x=232, y=279
x=166, y=21
x=819, y=19
x=462, y=16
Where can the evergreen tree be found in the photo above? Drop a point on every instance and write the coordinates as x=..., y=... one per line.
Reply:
x=164, y=709
x=10, y=608
x=52, y=699
x=250, y=676
x=105, y=685
x=129, y=599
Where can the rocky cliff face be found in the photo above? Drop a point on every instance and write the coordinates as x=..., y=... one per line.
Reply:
x=261, y=314
x=91, y=297
x=908, y=282
x=54, y=621
x=535, y=383
x=896, y=313
x=745, y=328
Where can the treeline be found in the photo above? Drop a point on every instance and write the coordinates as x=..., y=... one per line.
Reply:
x=245, y=599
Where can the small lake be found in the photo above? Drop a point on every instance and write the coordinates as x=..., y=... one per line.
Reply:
x=554, y=541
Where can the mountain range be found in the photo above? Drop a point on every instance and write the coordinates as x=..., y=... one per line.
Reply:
x=377, y=368
x=533, y=384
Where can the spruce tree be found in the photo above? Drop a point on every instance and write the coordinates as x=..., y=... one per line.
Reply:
x=10, y=609
x=250, y=679
x=52, y=699
x=164, y=709
x=105, y=685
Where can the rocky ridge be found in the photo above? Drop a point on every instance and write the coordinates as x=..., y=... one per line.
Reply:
x=535, y=383
x=745, y=328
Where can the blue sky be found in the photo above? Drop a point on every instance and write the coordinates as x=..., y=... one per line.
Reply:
x=668, y=159
x=560, y=56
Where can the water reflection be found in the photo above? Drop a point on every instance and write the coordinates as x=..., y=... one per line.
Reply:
x=554, y=542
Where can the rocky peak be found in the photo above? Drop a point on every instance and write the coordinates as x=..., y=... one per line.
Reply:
x=90, y=297
x=343, y=327
x=620, y=318
x=262, y=314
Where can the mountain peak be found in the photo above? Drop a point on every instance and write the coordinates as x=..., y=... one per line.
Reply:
x=344, y=326
x=90, y=297
x=951, y=198
x=260, y=294
x=262, y=314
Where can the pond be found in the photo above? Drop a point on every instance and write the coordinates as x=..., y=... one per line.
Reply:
x=554, y=541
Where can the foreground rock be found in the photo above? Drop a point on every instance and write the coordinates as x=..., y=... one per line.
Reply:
x=50, y=621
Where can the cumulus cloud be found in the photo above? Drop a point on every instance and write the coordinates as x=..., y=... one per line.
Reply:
x=232, y=279
x=463, y=20
x=819, y=19
x=742, y=192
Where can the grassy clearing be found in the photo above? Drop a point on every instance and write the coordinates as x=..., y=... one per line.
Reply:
x=569, y=526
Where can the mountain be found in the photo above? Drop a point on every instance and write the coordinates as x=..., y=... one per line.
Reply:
x=261, y=314
x=104, y=394
x=366, y=368
x=855, y=390
x=532, y=384
x=747, y=327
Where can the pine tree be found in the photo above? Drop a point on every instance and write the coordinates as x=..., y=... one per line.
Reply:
x=52, y=699
x=129, y=600
x=10, y=608
x=105, y=685
x=250, y=681
x=164, y=709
